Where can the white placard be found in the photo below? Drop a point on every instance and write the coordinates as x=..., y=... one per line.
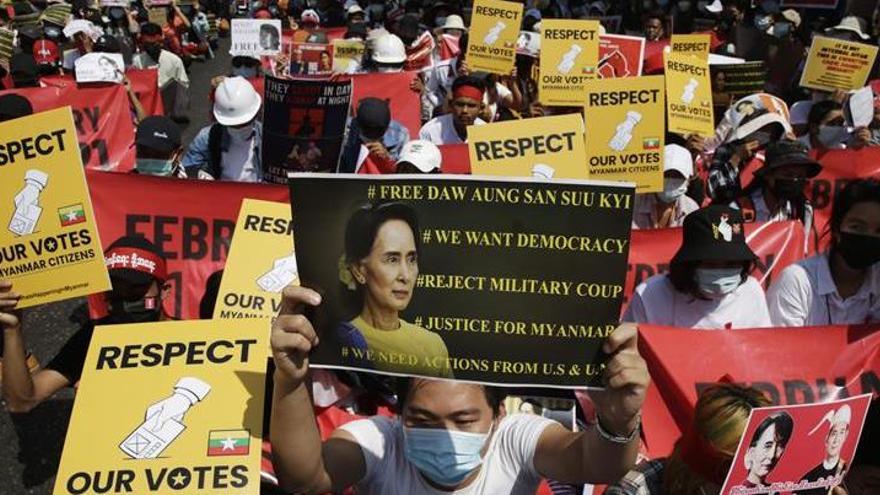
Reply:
x=861, y=107
x=100, y=67
x=256, y=37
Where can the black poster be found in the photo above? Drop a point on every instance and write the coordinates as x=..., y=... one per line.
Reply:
x=486, y=280
x=303, y=126
x=731, y=82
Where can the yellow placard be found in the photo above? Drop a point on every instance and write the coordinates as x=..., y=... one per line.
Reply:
x=545, y=148
x=347, y=55
x=494, y=31
x=625, y=130
x=688, y=95
x=251, y=285
x=691, y=44
x=49, y=244
x=158, y=15
x=836, y=64
x=569, y=58
x=168, y=408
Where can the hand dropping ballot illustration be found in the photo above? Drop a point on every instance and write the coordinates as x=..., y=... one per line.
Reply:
x=567, y=62
x=163, y=421
x=689, y=91
x=282, y=274
x=27, y=209
x=625, y=131
x=494, y=33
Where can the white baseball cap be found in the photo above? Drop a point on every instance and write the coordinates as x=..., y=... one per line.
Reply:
x=424, y=155
x=676, y=157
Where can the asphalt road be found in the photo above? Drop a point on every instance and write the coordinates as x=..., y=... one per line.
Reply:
x=30, y=444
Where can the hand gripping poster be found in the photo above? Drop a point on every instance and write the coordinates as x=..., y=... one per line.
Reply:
x=490, y=280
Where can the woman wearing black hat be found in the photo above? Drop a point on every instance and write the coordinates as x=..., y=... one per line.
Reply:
x=708, y=285
x=840, y=286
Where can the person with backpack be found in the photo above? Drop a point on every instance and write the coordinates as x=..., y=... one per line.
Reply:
x=230, y=148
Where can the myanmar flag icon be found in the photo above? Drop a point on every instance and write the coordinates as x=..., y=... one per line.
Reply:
x=72, y=215
x=229, y=442
x=589, y=70
x=651, y=143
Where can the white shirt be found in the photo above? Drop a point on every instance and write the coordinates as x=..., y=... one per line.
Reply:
x=238, y=160
x=644, y=216
x=441, y=130
x=170, y=66
x=508, y=465
x=656, y=301
x=806, y=295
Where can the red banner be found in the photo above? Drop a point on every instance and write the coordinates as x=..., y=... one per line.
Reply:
x=790, y=365
x=144, y=82
x=192, y=232
x=456, y=159
x=620, y=56
x=102, y=117
x=394, y=87
x=777, y=244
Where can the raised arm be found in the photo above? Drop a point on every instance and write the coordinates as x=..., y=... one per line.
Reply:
x=302, y=462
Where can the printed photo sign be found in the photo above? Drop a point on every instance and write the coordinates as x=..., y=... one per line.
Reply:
x=255, y=37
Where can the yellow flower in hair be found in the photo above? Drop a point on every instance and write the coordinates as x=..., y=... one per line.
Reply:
x=345, y=274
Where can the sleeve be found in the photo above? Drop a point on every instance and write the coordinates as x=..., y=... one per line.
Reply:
x=373, y=435
x=789, y=298
x=518, y=439
x=197, y=153
x=723, y=180
x=181, y=73
x=503, y=91
x=71, y=358
x=425, y=132
x=636, y=312
x=759, y=309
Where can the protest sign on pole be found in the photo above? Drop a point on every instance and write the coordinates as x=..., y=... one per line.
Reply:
x=691, y=44
x=569, y=58
x=688, y=95
x=100, y=67
x=303, y=126
x=347, y=56
x=255, y=37
x=837, y=64
x=620, y=56
x=171, y=407
x=493, y=35
x=251, y=285
x=544, y=148
x=492, y=280
x=626, y=130
x=813, y=446
x=310, y=58
x=49, y=244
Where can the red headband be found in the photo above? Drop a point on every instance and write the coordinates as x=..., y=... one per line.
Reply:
x=136, y=259
x=702, y=457
x=471, y=92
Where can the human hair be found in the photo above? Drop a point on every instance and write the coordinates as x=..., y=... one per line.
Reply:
x=741, y=5
x=364, y=225
x=683, y=278
x=819, y=110
x=151, y=29
x=720, y=418
x=784, y=426
x=494, y=395
x=655, y=14
x=855, y=192
x=268, y=29
x=469, y=80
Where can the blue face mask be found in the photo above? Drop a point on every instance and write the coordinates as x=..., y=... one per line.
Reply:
x=154, y=166
x=446, y=457
x=718, y=282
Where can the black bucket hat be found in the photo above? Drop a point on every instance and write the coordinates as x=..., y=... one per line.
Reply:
x=789, y=152
x=714, y=233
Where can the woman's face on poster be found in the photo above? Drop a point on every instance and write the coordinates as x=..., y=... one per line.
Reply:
x=389, y=272
x=764, y=455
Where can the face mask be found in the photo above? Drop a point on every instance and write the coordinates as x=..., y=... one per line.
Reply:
x=245, y=72
x=781, y=29
x=789, y=188
x=241, y=133
x=440, y=20
x=140, y=311
x=831, y=135
x=718, y=282
x=154, y=166
x=763, y=22
x=673, y=188
x=858, y=250
x=153, y=50
x=446, y=457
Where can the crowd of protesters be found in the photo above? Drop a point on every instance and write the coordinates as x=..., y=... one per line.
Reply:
x=455, y=437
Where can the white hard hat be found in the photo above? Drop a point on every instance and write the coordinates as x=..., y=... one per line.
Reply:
x=676, y=157
x=424, y=155
x=236, y=102
x=389, y=49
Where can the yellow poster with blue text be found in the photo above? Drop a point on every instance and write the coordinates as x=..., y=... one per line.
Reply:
x=493, y=34
x=625, y=130
x=689, y=95
x=49, y=244
x=542, y=148
x=569, y=58
x=251, y=285
x=168, y=408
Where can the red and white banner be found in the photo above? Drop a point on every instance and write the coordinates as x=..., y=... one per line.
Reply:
x=144, y=82
x=777, y=244
x=102, y=117
x=620, y=56
x=192, y=232
x=790, y=365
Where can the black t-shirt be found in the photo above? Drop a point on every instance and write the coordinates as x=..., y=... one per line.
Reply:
x=72, y=357
x=817, y=473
